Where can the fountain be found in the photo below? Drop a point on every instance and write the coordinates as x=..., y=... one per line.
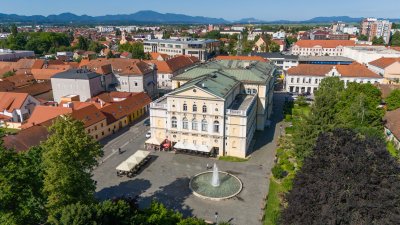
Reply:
x=215, y=185
x=215, y=177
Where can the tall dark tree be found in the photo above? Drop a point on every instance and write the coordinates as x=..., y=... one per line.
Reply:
x=349, y=179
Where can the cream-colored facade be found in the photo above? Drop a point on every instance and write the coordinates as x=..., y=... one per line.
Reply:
x=214, y=112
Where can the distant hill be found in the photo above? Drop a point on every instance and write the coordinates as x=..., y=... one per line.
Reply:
x=138, y=17
x=152, y=17
x=327, y=19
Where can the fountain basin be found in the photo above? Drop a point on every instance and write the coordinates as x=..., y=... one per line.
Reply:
x=229, y=186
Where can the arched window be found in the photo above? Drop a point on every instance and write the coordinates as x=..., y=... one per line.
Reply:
x=135, y=83
x=185, y=123
x=174, y=122
x=194, y=108
x=194, y=124
x=204, y=108
x=204, y=125
x=185, y=107
x=216, y=126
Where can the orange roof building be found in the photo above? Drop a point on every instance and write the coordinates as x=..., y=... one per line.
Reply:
x=307, y=77
x=16, y=107
x=389, y=68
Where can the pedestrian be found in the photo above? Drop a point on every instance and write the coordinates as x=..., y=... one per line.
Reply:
x=208, y=167
x=119, y=150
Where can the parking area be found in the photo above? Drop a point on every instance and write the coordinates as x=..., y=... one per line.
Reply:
x=166, y=177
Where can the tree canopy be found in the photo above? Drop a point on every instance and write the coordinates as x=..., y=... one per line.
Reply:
x=349, y=179
x=51, y=184
x=378, y=41
x=395, y=40
x=40, y=42
x=69, y=156
x=393, y=100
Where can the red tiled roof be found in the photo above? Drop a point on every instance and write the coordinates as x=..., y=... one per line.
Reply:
x=324, y=43
x=250, y=58
x=352, y=70
x=356, y=70
x=42, y=114
x=310, y=70
x=278, y=41
x=123, y=108
x=89, y=115
x=26, y=138
x=35, y=89
x=384, y=62
x=122, y=66
x=45, y=74
x=11, y=101
x=20, y=80
x=155, y=55
x=174, y=64
x=393, y=122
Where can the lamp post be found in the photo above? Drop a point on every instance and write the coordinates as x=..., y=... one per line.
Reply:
x=216, y=217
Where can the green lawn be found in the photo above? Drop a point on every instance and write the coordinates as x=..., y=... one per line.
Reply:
x=392, y=150
x=232, y=159
x=273, y=208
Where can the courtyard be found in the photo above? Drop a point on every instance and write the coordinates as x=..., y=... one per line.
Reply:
x=166, y=177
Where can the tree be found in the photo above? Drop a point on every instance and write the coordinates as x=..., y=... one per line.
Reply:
x=116, y=213
x=14, y=30
x=322, y=118
x=378, y=41
x=395, y=40
x=358, y=108
x=362, y=37
x=274, y=47
x=138, y=51
x=83, y=43
x=110, y=55
x=335, y=186
x=290, y=40
x=21, y=199
x=95, y=46
x=192, y=221
x=157, y=214
x=69, y=155
x=77, y=214
x=393, y=100
x=118, y=32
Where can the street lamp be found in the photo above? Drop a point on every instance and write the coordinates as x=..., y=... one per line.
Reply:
x=216, y=217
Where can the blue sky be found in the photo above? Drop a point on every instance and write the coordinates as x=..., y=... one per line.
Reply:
x=227, y=9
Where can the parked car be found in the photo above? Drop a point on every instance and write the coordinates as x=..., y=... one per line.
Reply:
x=147, y=122
x=148, y=134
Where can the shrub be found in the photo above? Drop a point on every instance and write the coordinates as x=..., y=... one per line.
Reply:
x=278, y=172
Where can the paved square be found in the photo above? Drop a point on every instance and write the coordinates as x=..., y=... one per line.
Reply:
x=166, y=179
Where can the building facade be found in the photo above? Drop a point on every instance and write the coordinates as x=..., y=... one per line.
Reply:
x=389, y=68
x=307, y=77
x=320, y=47
x=215, y=108
x=84, y=83
x=373, y=27
x=200, y=48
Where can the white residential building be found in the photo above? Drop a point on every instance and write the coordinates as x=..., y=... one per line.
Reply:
x=320, y=47
x=307, y=77
x=200, y=48
x=15, y=108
